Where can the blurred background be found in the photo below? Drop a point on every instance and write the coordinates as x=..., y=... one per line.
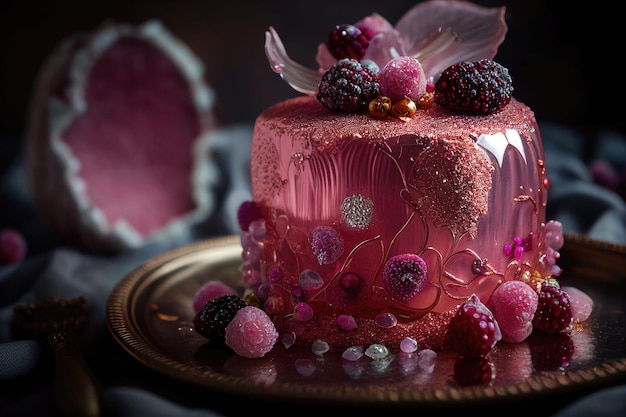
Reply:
x=555, y=52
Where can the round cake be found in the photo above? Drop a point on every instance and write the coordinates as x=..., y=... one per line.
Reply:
x=390, y=221
x=401, y=201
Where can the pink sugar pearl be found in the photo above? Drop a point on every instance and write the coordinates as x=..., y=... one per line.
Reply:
x=582, y=304
x=209, y=291
x=513, y=305
x=12, y=247
x=251, y=333
x=402, y=77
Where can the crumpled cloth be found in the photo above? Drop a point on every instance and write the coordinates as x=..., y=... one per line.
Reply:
x=579, y=203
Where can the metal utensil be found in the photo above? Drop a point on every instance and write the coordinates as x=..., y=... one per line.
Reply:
x=59, y=322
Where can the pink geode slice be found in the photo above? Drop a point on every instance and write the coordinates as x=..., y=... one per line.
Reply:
x=117, y=139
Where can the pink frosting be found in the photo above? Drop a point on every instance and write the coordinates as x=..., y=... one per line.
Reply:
x=454, y=190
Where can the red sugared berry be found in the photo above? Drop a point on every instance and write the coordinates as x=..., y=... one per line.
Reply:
x=473, y=331
x=554, y=310
x=348, y=86
x=480, y=87
x=348, y=41
x=212, y=319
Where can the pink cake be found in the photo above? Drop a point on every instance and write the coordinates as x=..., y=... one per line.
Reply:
x=392, y=197
x=349, y=200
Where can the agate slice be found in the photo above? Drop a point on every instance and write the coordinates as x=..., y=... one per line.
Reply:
x=118, y=135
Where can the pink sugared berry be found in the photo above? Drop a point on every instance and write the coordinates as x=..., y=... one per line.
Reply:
x=581, y=302
x=402, y=77
x=251, y=333
x=513, y=305
x=208, y=291
x=12, y=247
x=473, y=331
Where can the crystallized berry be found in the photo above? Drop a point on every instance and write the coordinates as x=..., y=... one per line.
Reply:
x=480, y=87
x=251, y=333
x=402, y=77
x=348, y=86
x=404, y=276
x=347, y=41
x=248, y=212
x=327, y=244
x=554, y=309
x=513, y=305
x=212, y=319
x=473, y=331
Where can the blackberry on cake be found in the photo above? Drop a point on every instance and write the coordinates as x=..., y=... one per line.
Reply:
x=480, y=87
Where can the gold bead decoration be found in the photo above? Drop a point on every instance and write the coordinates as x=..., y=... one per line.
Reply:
x=404, y=109
x=426, y=101
x=252, y=299
x=379, y=107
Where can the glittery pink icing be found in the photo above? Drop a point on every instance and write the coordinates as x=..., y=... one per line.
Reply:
x=452, y=189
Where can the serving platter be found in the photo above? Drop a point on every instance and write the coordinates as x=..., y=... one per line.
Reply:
x=150, y=314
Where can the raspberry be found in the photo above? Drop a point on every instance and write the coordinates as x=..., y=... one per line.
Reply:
x=554, y=309
x=513, y=305
x=212, y=319
x=474, y=371
x=473, y=331
x=348, y=41
x=402, y=77
x=479, y=88
x=251, y=333
x=348, y=86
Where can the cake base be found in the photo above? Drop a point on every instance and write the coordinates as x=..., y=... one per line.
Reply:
x=429, y=331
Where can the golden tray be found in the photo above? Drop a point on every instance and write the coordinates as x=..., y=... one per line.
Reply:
x=150, y=314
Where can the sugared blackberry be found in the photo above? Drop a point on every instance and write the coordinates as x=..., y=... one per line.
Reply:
x=348, y=86
x=347, y=41
x=215, y=315
x=478, y=88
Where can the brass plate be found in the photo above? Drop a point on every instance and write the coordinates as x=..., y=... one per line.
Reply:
x=150, y=315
